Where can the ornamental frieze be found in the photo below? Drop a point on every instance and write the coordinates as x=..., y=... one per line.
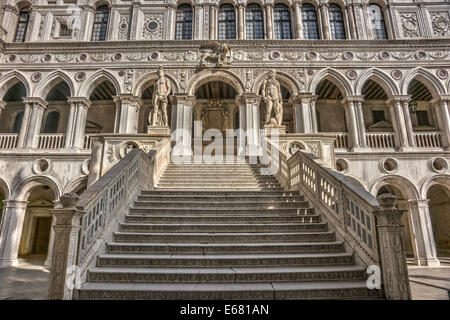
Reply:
x=440, y=22
x=410, y=26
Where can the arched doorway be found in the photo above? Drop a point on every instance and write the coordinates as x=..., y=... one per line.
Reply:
x=35, y=242
x=329, y=106
x=439, y=207
x=101, y=117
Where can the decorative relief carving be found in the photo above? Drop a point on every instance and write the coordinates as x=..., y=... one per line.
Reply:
x=440, y=22
x=129, y=80
x=410, y=26
x=366, y=56
x=153, y=26
x=124, y=24
x=330, y=55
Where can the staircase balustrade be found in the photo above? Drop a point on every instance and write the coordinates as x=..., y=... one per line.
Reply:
x=351, y=211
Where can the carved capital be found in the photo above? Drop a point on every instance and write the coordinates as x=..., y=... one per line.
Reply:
x=183, y=99
x=10, y=8
x=35, y=102
x=248, y=99
x=80, y=101
x=128, y=99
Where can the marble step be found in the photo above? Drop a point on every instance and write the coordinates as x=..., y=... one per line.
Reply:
x=221, y=211
x=238, y=237
x=231, y=198
x=207, y=193
x=226, y=275
x=223, y=228
x=220, y=204
x=201, y=248
x=228, y=291
x=216, y=219
x=224, y=260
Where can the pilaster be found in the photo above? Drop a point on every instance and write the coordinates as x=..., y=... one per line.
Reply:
x=305, y=120
x=441, y=106
x=77, y=122
x=32, y=121
x=269, y=20
x=398, y=121
x=298, y=19
x=182, y=120
x=127, y=113
x=350, y=116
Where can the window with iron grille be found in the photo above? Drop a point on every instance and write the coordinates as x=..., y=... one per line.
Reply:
x=100, y=23
x=378, y=116
x=309, y=21
x=422, y=118
x=64, y=30
x=337, y=28
x=183, y=29
x=22, y=25
x=254, y=25
x=227, y=22
x=378, y=25
x=282, y=22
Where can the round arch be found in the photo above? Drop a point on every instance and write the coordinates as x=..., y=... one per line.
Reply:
x=427, y=78
x=214, y=75
x=98, y=3
x=285, y=79
x=335, y=77
x=44, y=87
x=12, y=78
x=398, y=181
x=442, y=179
x=75, y=184
x=4, y=186
x=381, y=78
x=147, y=79
x=94, y=80
x=23, y=188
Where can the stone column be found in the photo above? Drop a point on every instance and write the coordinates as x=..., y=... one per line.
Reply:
x=359, y=20
x=249, y=122
x=10, y=18
x=127, y=113
x=2, y=107
x=11, y=231
x=408, y=123
x=325, y=20
x=442, y=114
x=76, y=124
x=298, y=19
x=67, y=227
x=395, y=107
x=171, y=12
x=182, y=117
x=32, y=122
x=350, y=116
x=425, y=249
x=269, y=20
x=358, y=101
x=392, y=256
x=212, y=20
x=87, y=21
x=51, y=244
x=351, y=21
x=367, y=22
x=305, y=113
x=241, y=26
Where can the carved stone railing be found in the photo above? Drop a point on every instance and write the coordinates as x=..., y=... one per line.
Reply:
x=380, y=140
x=51, y=141
x=88, y=141
x=428, y=139
x=351, y=211
x=341, y=140
x=84, y=225
x=8, y=141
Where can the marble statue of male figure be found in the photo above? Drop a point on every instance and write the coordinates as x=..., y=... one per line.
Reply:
x=271, y=92
x=160, y=93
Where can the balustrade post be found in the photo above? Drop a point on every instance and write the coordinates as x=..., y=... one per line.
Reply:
x=64, y=272
x=392, y=256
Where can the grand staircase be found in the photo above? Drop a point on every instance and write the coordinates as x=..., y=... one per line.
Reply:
x=224, y=232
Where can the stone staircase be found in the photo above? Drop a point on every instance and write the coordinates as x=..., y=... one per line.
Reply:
x=224, y=232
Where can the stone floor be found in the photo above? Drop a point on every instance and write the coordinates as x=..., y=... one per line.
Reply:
x=29, y=281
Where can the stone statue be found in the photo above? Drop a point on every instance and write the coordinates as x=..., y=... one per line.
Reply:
x=215, y=54
x=271, y=93
x=160, y=100
x=204, y=120
x=225, y=120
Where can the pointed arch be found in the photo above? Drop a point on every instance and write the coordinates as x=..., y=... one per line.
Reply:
x=401, y=182
x=333, y=76
x=142, y=83
x=44, y=87
x=213, y=75
x=285, y=79
x=12, y=78
x=381, y=78
x=95, y=79
x=428, y=79
x=23, y=188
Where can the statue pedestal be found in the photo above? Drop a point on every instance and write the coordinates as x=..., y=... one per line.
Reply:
x=272, y=129
x=157, y=130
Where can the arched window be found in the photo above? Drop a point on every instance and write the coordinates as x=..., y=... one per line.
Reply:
x=309, y=20
x=22, y=25
x=183, y=28
x=254, y=24
x=227, y=22
x=337, y=28
x=51, y=122
x=100, y=23
x=17, y=123
x=378, y=25
x=282, y=22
